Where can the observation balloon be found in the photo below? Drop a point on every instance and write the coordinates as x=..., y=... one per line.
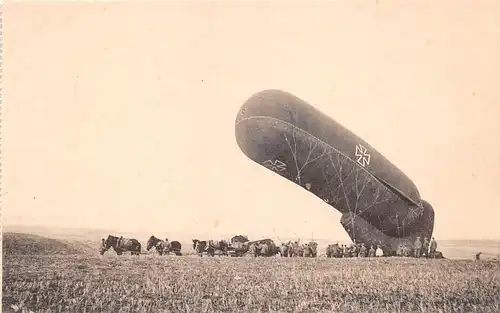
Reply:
x=380, y=205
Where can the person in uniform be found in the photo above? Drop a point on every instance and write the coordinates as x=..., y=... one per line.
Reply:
x=296, y=248
x=352, y=250
x=362, y=251
x=282, y=250
x=399, y=250
x=425, y=247
x=379, y=252
x=406, y=251
x=371, y=252
x=166, y=247
x=344, y=251
x=355, y=250
x=433, y=247
x=417, y=248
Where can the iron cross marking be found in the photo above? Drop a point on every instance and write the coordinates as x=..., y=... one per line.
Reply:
x=275, y=165
x=363, y=155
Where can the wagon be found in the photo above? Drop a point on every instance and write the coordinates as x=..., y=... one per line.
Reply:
x=240, y=245
x=237, y=249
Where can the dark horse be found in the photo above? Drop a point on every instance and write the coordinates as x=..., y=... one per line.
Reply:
x=121, y=245
x=164, y=246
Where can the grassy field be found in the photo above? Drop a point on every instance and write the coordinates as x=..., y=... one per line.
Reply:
x=149, y=283
x=29, y=244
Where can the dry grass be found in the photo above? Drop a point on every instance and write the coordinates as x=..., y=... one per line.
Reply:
x=19, y=243
x=191, y=284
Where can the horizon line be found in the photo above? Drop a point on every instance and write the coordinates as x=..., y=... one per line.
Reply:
x=5, y=225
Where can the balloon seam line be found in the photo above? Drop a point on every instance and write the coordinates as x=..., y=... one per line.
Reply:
x=298, y=128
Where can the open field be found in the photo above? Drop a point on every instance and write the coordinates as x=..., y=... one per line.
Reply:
x=149, y=283
x=67, y=275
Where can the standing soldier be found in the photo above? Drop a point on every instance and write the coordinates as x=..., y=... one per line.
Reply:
x=166, y=248
x=371, y=252
x=295, y=246
x=399, y=250
x=289, y=249
x=282, y=250
x=406, y=251
x=425, y=247
x=362, y=251
x=379, y=252
x=355, y=250
x=417, y=248
x=103, y=245
x=344, y=251
x=433, y=248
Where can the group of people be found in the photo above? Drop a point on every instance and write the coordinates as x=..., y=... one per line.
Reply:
x=360, y=250
x=420, y=248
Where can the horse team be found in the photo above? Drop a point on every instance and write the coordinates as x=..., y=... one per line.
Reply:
x=120, y=245
x=237, y=246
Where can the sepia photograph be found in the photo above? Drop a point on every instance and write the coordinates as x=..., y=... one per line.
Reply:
x=250, y=156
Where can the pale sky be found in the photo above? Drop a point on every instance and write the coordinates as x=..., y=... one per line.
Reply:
x=122, y=115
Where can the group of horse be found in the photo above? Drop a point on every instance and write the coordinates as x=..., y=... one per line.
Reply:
x=240, y=245
x=237, y=246
x=121, y=245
